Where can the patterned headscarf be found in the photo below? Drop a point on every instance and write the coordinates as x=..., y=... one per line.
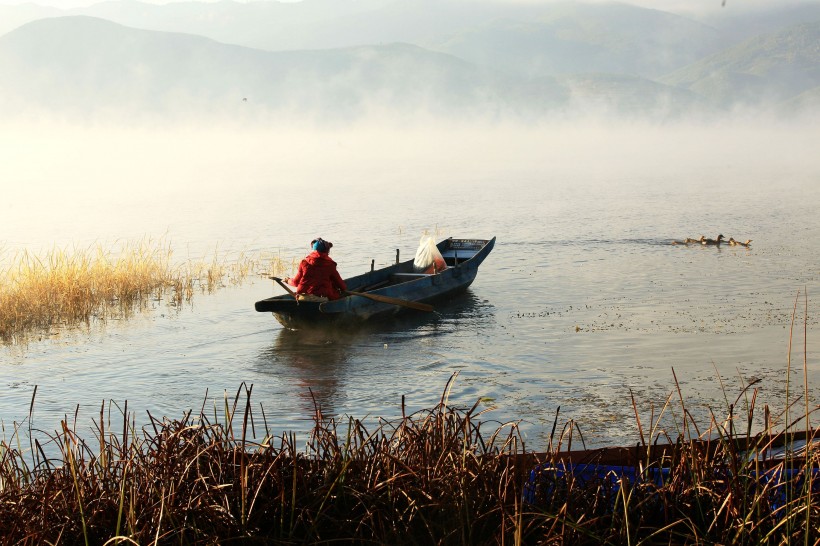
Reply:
x=320, y=245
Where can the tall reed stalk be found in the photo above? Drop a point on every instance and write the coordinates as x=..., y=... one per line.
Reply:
x=66, y=288
x=432, y=477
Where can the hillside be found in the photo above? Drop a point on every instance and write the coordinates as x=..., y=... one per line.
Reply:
x=571, y=38
x=525, y=38
x=737, y=25
x=631, y=96
x=87, y=66
x=769, y=68
x=808, y=101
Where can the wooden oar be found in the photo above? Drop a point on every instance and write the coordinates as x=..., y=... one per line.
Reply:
x=286, y=287
x=393, y=301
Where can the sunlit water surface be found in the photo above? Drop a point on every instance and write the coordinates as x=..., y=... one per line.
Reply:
x=582, y=304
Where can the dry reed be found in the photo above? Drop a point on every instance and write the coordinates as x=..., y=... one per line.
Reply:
x=432, y=477
x=67, y=288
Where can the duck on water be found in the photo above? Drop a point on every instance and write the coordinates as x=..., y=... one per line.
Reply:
x=715, y=241
x=689, y=241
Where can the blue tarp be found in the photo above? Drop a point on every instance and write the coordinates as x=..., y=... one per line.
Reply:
x=545, y=481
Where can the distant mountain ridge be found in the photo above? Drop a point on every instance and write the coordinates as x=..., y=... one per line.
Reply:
x=83, y=64
x=86, y=64
x=495, y=59
x=530, y=39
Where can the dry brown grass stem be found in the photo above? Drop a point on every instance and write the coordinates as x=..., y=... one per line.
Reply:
x=432, y=477
x=66, y=288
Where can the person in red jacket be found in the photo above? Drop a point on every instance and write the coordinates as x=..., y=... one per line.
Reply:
x=317, y=274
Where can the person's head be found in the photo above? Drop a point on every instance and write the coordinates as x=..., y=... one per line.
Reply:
x=320, y=245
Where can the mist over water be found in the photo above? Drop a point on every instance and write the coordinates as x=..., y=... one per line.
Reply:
x=582, y=301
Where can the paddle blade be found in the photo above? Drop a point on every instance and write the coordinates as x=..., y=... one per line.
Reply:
x=394, y=301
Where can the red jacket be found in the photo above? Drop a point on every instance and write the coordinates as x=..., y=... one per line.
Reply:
x=317, y=275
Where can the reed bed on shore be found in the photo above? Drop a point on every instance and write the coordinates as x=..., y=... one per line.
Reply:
x=438, y=476
x=65, y=288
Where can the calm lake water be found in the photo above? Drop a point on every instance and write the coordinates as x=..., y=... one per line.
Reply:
x=582, y=302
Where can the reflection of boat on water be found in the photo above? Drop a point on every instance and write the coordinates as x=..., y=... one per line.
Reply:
x=311, y=362
x=456, y=316
x=398, y=281
x=338, y=368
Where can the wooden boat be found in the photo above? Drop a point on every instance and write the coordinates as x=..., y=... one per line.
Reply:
x=371, y=294
x=768, y=449
x=773, y=459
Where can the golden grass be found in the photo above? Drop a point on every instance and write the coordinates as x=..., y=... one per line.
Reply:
x=65, y=288
x=275, y=264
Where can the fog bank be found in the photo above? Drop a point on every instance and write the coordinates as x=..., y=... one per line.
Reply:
x=140, y=161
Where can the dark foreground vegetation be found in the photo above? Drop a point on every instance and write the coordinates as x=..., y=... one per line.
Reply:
x=432, y=477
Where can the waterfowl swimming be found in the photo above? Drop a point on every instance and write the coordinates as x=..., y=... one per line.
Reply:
x=712, y=241
x=688, y=241
x=732, y=242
